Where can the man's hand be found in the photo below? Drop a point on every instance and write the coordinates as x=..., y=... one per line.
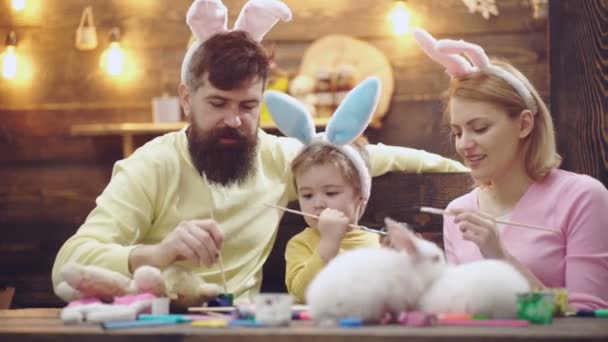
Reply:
x=198, y=241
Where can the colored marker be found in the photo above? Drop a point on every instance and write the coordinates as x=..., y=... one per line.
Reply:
x=592, y=313
x=454, y=316
x=601, y=312
x=136, y=324
x=244, y=323
x=302, y=316
x=169, y=317
x=212, y=323
x=585, y=313
x=351, y=322
x=486, y=323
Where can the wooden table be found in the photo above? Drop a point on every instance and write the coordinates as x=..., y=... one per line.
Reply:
x=129, y=130
x=44, y=325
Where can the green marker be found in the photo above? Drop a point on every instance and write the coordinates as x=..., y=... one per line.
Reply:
x=601, y=313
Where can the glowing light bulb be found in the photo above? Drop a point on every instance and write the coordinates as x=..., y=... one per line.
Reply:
x=18, y=5
x=400, y=18
x=9, y=63
x=115, y=59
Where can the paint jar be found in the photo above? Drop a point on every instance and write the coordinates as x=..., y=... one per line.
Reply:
x=273, y=309
x=222, y=300
x=536, y=307
x=560, y=301
x=160, y=306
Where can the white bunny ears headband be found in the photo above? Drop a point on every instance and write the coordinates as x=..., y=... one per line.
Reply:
x=447, y=53
x=209, y=17
x=347, y=123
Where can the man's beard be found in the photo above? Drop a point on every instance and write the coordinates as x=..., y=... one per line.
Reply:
x=224, y=164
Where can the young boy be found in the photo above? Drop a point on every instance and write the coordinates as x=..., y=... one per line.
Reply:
x=330, y=186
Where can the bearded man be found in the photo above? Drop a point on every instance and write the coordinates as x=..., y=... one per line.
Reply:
x=190, y=195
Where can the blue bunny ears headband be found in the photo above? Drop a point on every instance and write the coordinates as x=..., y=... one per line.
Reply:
x=346, y=124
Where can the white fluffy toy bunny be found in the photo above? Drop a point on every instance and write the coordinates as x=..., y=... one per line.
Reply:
x=486, y=287
x=90, y=289
x=371, y=283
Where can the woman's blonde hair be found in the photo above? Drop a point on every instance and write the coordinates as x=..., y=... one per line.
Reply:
x=540, y=148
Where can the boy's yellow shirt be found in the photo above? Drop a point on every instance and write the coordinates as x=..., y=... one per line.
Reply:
x=303, y=261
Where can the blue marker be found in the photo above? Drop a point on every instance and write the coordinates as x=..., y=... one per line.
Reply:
x=135, y=324
x=168, y=317
x=351, y=322
x=244, y=323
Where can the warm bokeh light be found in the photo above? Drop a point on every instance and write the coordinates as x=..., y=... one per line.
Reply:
x=113, y=60
x=18, y=5
x=16, y=67
x=400, y=18
x=9, y=63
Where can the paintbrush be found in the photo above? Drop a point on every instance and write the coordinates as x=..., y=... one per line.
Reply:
x=436, y=211
x=219, y=253
x=355, y=226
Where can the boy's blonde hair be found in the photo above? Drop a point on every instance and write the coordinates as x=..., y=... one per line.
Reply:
x=540, y=148
x=320, y=154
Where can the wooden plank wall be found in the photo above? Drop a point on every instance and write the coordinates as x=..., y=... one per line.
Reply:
x=49, y=179
x=579, y=84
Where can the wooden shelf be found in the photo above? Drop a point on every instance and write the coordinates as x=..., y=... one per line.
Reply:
x=128, y=130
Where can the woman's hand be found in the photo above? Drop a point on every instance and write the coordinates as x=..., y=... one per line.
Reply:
x=481, y=229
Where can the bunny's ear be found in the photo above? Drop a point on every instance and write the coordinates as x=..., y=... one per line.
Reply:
x=354, y=113
x=258, y=16
x=474, y=52
x=401, y=237
x=455, y=65
x=290, y=115
x=206, y=18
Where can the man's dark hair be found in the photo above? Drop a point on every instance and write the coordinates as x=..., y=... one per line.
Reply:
x=230, y=59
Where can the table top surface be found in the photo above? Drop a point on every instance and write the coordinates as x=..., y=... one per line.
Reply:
x=44, y=324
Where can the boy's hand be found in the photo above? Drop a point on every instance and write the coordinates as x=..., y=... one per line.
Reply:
x=332, y=226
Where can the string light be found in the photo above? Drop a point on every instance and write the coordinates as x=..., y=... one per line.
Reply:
x=18, y=5
x=9, y=59
x=400, y=18
x=113, y=59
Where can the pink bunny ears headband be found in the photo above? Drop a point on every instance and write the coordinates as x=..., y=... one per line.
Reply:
x=447, y=53
x=209, y=17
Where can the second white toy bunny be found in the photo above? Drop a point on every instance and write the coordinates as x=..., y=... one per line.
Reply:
x=487, y=287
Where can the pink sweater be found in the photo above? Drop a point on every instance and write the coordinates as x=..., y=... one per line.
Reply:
x=577, y=258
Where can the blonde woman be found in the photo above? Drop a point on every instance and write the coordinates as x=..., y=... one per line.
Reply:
x=504, y=133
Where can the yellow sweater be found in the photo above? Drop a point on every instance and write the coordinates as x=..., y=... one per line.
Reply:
x=303, y=261
x=155, y=188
